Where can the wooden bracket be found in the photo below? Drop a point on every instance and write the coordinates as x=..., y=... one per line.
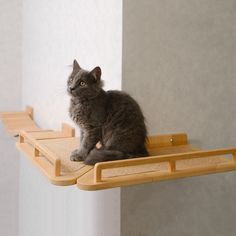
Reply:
x=30, y=111
x=67, y=130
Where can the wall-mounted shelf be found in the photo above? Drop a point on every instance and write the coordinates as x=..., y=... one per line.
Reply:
x=171, y=157
x=157, y=168
x=16, y=121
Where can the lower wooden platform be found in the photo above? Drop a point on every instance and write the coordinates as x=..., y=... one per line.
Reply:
x=171, y=157
x=158, y=168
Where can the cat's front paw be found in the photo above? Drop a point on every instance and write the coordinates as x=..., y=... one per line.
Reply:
x=77, y=155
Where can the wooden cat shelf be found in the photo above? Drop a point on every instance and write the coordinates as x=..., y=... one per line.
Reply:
x=16, y=121
x=171, y=157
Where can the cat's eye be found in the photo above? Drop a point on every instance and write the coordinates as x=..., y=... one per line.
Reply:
x=82, y=83
x=70, y=79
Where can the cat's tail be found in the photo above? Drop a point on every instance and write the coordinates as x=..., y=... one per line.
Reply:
x=99, y=155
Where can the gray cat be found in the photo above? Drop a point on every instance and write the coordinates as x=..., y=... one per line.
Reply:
x=112, y=118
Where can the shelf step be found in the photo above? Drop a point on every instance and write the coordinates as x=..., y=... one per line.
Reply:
x=16, y=121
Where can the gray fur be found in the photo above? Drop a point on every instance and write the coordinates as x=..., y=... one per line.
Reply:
x=112, y=118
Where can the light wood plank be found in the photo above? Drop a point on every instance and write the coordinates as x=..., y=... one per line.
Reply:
x=167, y=140
x=43, y=164
x=16, y=121
x=171, y=158
x=85, y=183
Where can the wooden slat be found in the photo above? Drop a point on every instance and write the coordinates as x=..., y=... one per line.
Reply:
x=30, y=111
x=46, y=168
x=50, y=152
x=10, y=115
x=14, y=122
x=167, y=140
x=85, y=183
x=66, y=132
x=157, y=151
x=171, y=158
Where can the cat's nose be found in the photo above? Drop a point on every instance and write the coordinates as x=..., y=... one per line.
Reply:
x=70, y=89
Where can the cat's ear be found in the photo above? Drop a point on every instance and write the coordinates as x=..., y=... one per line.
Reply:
x=76, y=66
x=96, y=72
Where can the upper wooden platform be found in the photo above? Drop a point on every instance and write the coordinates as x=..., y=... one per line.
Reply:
x=171, y=157
x=16, y=121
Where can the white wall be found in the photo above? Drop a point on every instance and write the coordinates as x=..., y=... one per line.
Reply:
x=54, y=33
x=10, y=99
x=10, y=54
x=179, y=63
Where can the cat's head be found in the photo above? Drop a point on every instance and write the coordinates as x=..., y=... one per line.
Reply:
x=84, y=84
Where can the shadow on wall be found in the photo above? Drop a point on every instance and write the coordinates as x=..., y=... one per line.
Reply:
x=195, y=206
x=178, y=63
